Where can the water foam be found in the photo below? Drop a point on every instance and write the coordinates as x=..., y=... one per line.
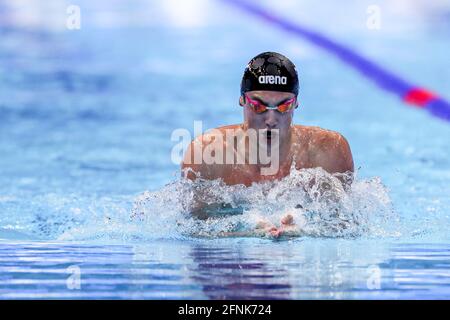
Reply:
x=316, y=199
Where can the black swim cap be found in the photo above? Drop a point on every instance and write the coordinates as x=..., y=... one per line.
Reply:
x=270, y=71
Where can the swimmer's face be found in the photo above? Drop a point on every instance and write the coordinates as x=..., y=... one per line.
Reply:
x=270, y=119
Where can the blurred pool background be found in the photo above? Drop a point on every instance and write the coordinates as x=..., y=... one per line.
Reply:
x=86, y=118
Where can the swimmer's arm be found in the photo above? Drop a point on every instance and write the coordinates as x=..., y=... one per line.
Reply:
x=336, y=157
x=193, y=166
x=193, y=170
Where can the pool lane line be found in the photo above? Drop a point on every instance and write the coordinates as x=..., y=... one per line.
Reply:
x=411, y=94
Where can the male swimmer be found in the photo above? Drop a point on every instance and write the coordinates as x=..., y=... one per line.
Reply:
x=269, y=96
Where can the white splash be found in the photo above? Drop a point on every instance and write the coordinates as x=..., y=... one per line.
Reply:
x=317, y=201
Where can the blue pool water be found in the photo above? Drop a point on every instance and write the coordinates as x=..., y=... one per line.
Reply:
x=86, y=118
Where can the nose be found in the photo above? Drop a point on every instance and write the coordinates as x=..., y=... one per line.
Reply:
x=271, y=120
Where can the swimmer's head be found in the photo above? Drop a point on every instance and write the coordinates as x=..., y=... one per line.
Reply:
x=270, y=71
x=269, y=90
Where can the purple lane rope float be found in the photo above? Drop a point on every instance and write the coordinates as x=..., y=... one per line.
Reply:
x=408, y=92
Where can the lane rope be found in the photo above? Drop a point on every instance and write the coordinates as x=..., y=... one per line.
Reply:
x=409, y=93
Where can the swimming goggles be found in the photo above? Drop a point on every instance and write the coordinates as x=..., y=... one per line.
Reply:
x=259, y=107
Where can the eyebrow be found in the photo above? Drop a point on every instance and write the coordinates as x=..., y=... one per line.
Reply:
x=264, y=102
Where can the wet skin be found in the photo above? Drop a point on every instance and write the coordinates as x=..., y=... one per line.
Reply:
x=306, y=146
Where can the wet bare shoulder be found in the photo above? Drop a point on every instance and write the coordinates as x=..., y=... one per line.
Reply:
x=326, y=148
x=311, y=137
x=229, y=127
x=189, y=166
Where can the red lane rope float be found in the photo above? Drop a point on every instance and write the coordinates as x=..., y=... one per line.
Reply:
x=419, y=97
